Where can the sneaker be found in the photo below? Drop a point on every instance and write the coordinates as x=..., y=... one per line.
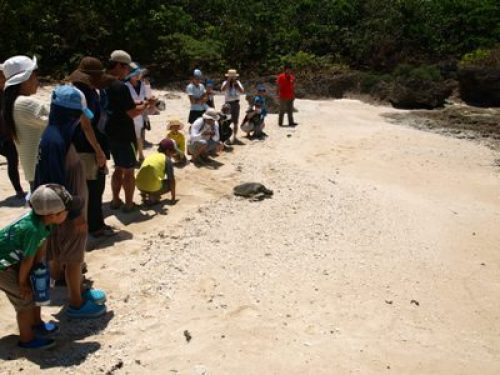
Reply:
x=44, y=329
x=89, y=309
x=95, y=295
x=37, y=343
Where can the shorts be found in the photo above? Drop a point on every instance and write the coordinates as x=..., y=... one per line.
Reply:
x=65, y=245
x=165, y=188
x=194, y=147
x=9, y=283
x=194, y=115
x=235, y=111
x=123, y=154
x=139, y=128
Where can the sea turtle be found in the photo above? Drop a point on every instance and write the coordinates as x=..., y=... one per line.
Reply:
x=252, y=190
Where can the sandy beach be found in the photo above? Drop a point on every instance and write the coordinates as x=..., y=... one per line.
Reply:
x=377, y=254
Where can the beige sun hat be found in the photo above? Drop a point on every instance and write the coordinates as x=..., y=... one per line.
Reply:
x=232, y=73
x=174, y=122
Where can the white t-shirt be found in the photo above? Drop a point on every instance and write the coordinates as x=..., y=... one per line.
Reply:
x=231, y=93
x=196, y=92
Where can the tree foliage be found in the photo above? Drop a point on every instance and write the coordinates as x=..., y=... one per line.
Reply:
x=255, y=35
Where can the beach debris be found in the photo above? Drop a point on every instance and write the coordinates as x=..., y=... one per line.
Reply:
x=252, y=190
x=415, y=302
x=118, y=365
x=187, y=335
x=200, y=370
x=389, y=302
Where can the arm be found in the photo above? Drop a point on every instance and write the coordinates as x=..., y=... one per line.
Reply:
x=195, y=134
x=139, y=108
x=172, y=189
x=239, y=87
x=216, y=136
x=90, y=135
x=224, y=85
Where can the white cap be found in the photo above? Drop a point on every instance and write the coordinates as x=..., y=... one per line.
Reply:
x=197, y=73
x=211, y=114
x=53, y=198
x=18, y=69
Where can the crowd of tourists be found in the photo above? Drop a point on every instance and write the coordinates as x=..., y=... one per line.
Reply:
x=63, y=148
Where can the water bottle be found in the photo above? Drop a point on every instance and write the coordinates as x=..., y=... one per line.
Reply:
x=40, y=282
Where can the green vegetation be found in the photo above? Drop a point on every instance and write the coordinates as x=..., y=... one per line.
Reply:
x=482, y=58
x=255, y=36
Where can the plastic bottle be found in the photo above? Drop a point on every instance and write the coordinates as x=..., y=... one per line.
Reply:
x=40, y=282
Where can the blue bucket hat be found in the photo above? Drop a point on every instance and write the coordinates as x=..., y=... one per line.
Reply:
x=68, y=96
x=261, y=87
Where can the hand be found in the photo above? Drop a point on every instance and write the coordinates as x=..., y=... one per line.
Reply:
x=80, y=225
x=25, y=291
x=100, y=159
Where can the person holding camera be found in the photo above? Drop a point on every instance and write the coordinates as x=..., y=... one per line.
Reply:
x=232, y=89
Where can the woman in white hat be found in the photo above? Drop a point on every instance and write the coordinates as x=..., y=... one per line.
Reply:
x=25, y=118
x=232, y=89
x=8, y=148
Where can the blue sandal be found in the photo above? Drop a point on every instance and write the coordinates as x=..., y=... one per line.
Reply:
x=44, y=329
x=89, y=309
x=37, y=343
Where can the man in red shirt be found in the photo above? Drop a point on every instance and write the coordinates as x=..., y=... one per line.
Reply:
x=285, y=90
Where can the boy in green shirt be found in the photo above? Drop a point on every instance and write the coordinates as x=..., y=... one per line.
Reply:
x=22, y=245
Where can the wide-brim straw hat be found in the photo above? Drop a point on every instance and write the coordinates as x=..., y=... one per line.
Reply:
x=232, y=73
x=174, y=122
x=91, y=72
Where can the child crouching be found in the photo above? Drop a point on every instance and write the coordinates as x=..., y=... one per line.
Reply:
x=156, y=175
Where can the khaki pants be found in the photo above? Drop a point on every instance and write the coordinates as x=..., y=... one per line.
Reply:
x=286, y=105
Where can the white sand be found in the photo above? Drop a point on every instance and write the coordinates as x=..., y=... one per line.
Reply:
x=366, y=217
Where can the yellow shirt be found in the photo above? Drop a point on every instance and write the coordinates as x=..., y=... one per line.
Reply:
x=152, y=173
x=179, y=139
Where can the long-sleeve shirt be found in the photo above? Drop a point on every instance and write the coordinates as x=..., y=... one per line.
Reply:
x=30, y=117
x=197, y=129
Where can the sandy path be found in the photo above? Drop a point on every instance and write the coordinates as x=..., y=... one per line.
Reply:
x=366, y=218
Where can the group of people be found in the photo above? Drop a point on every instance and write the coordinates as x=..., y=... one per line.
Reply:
x=63, y=149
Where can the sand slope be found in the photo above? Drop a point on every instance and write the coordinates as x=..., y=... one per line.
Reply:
x=377, y=254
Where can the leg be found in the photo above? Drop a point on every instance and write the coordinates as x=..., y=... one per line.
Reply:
x=93, y=207
x=116, y=184
x=10, y=152
x=74, y=283
x=140, y=149
x=290, y=112
x=281, y=112
x=129, y=186
x=25, y=322
x=235, y=116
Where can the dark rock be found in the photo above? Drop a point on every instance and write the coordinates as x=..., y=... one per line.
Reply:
x=187, y=335
x=415, y=302
x=415, y=93
x=480, y=86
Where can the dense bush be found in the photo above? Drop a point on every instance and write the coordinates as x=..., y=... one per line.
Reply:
x=255, y=36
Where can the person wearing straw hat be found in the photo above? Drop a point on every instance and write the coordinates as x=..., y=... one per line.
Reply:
x=91, y=141
x=204, y=137
x=25, y=117
x=174, y=129
x=232, y=89
x=8, y=148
